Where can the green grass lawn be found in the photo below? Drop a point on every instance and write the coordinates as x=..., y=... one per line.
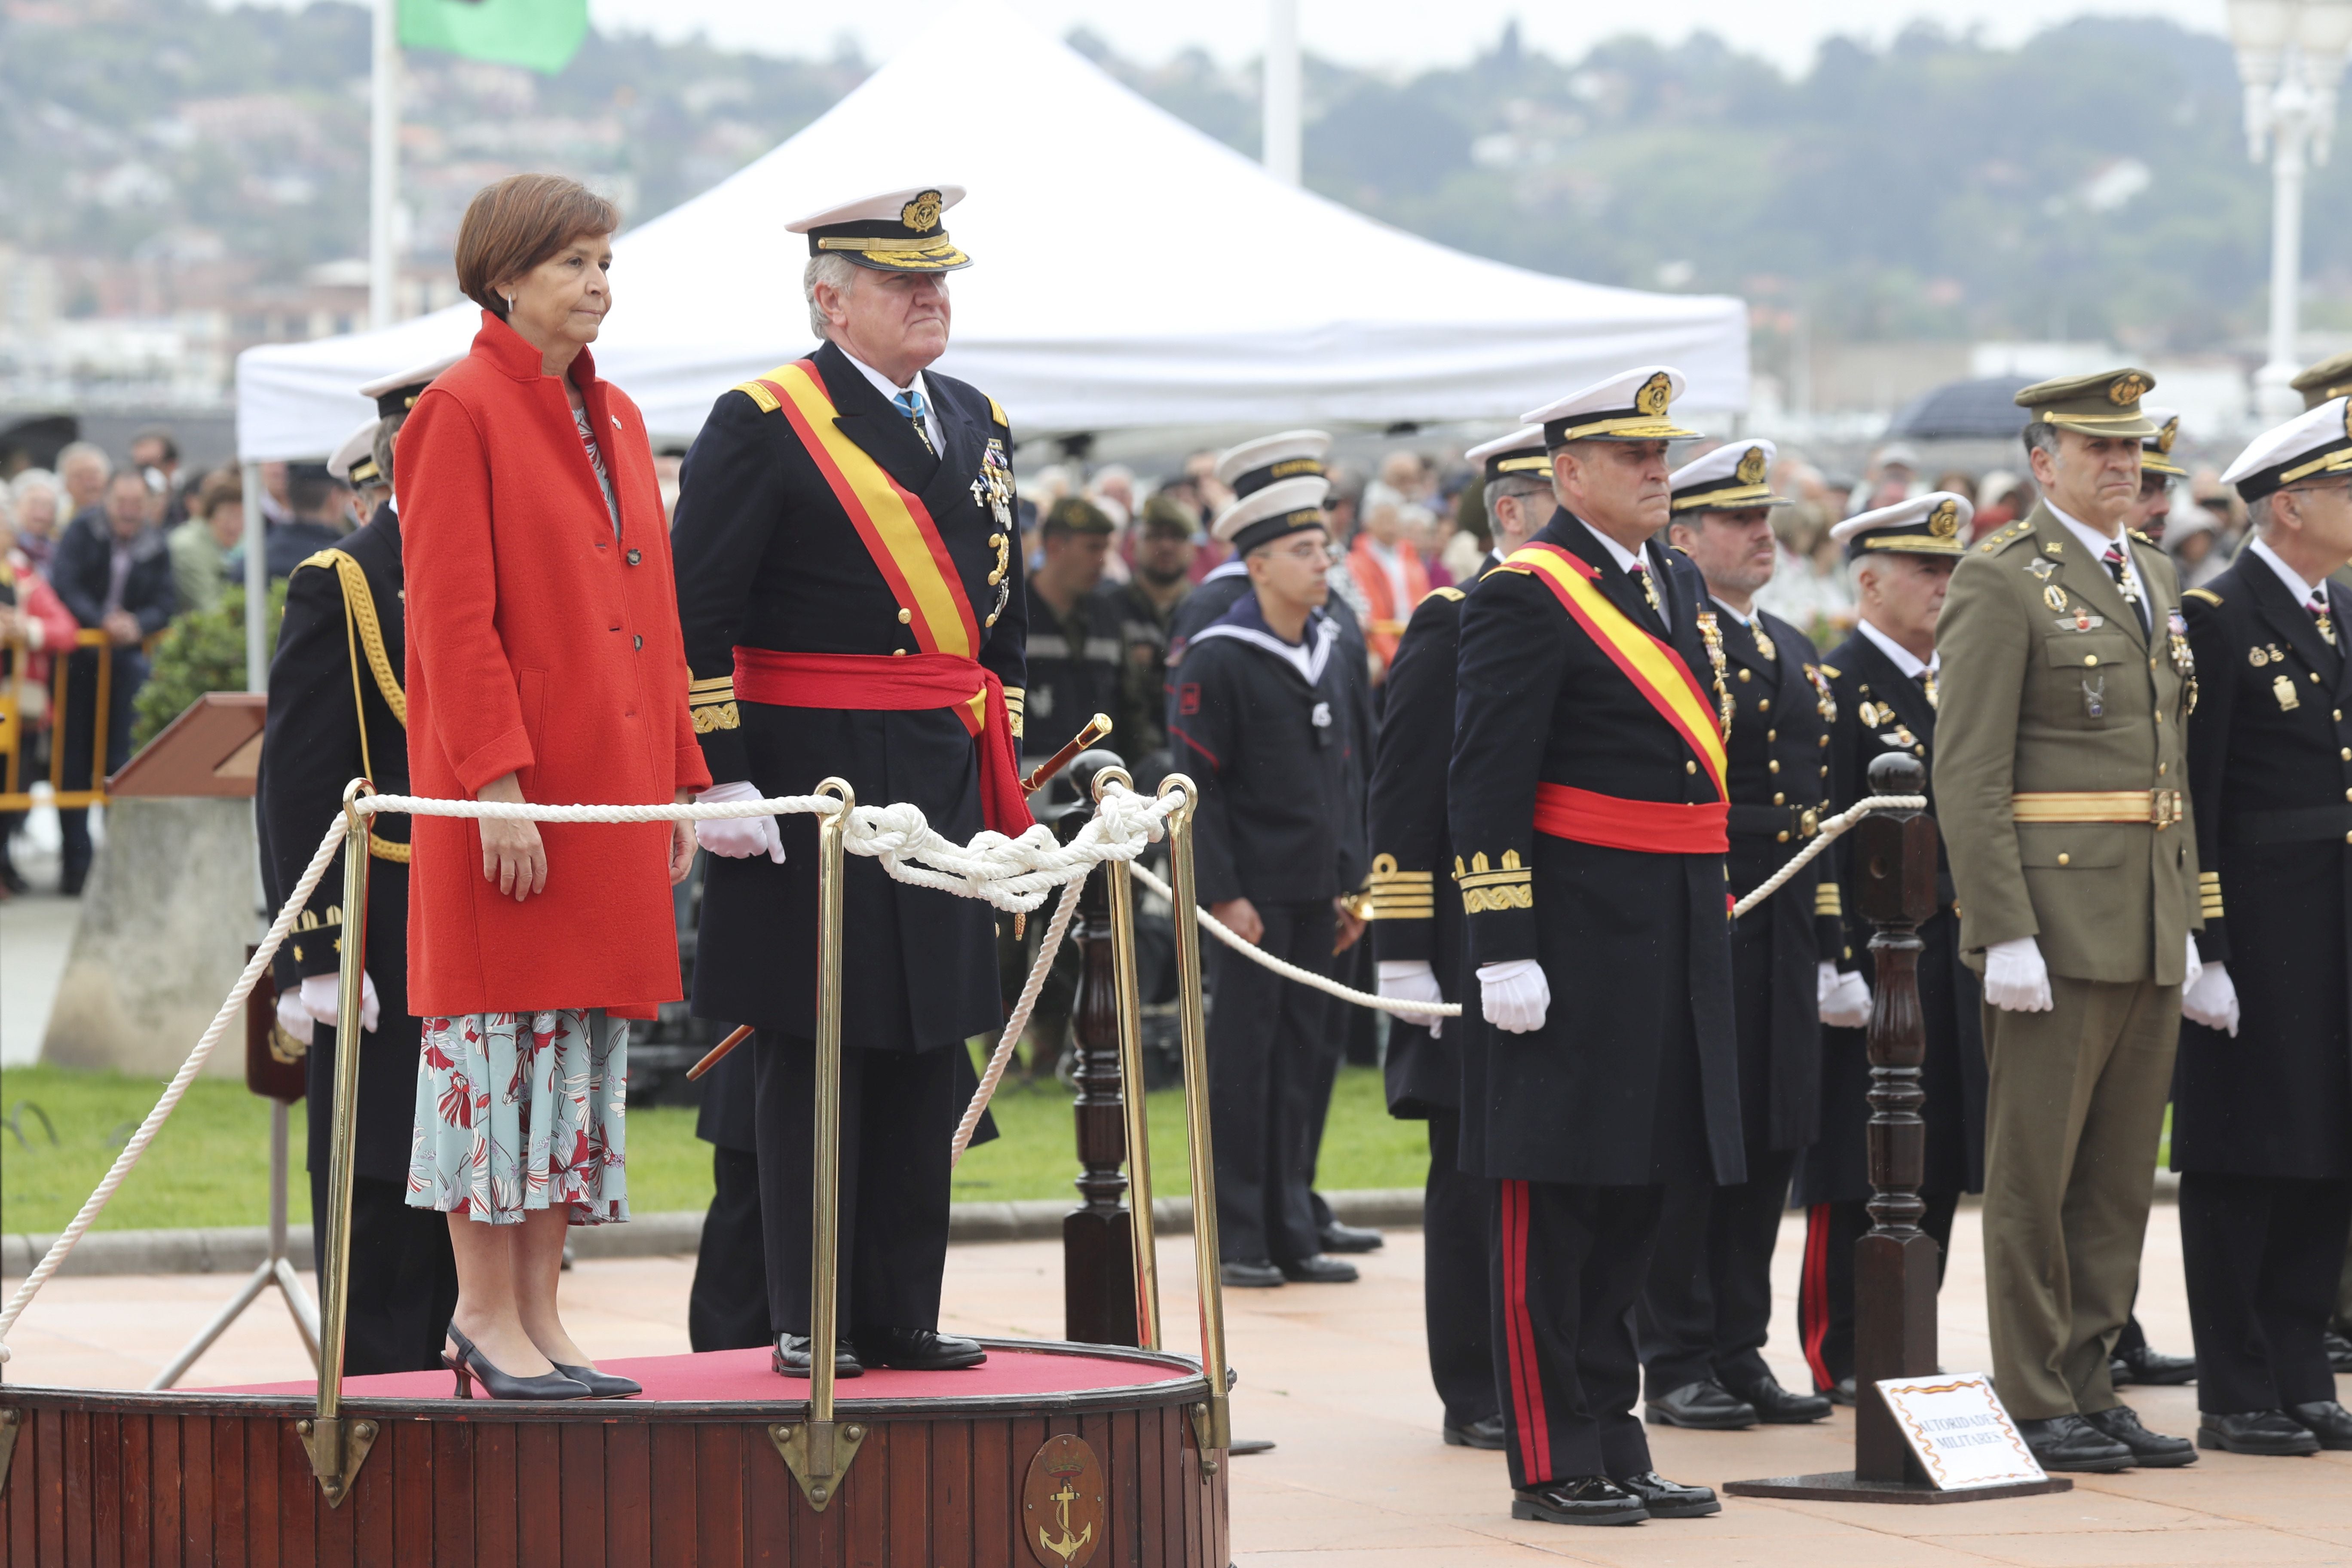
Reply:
x=210, y=1164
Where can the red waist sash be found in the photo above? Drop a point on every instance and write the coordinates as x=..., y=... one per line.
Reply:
x=1651, y=826
x=903, y=682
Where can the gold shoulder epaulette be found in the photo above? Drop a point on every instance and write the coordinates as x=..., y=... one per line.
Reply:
x=1833, y=671
x=2143, y=538
x=759, y=394
x=2207, y=594
x=2004, y=536
x=996, y=413
x=1448, y=593
x=321, y=558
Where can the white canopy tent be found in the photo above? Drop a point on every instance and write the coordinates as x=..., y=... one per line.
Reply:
x=1129, y=271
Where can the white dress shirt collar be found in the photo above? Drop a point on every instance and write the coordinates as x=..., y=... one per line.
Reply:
x=882, y=383
x=1625, y=560
x=2287, y=575
x=2098, y=544
x=1902, y=658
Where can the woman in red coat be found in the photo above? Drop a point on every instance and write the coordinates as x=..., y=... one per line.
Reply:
x=544, y=663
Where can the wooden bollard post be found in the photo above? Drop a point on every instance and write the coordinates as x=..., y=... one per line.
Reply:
x=1097, y=1243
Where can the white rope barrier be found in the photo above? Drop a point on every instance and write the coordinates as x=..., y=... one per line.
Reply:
x=1018, y=1023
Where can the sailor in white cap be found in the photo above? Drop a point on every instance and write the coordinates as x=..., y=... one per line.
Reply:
x=1587, y=816
x=2265, y=1157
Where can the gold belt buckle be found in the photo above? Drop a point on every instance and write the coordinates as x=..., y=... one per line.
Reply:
x=1809, y=822
x=2163, y=807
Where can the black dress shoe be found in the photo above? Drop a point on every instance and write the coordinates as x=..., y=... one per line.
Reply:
x=791, y=1358
x=1579, y=1500
x=1839, y=1393
x=1320, y=1270
x=1338, y=1237
x=1670, y=1499
x=1705, y=1406
x=1486, y=1432
x=918, y=1349
x=1248, y=1274
x=2256, y=1432
x=1779, y=1407
x=2339, y=1351
x=2329, y=1422
x=2071, y=1443
x=1251, y=1446
x=2154, y=1450
x=2152, y=1366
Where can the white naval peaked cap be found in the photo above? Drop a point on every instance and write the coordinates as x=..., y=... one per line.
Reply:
x=2316, y=441
x=896, y=231
x=1630, y=406
x=1253, y=464
x=1733, y=477
x=1286, y=506
x=1520, y=452
x=354, y=461
x=398, y=392
x=1930, y=524
x=2156, y=451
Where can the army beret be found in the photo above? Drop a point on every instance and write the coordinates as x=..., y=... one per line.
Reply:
x=1075, y=514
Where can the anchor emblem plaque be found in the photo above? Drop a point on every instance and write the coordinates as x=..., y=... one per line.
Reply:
x=1063, y=1504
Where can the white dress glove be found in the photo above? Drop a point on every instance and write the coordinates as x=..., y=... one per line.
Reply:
x=1514, y=996
x=2211, y=999
x=322, y=997
x=739, y=837
x=1412, y=980
x=2196, y=966
x=2016, y=979
x=293, y=1017
x=1844, y=998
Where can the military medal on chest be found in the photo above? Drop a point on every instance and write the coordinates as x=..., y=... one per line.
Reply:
x=2184, y=662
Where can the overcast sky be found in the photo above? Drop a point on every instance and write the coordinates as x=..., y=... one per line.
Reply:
x=1399, y=35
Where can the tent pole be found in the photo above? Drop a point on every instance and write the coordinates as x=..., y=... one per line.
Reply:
x=256, y=585
x=1281, y=110
x=383, y=161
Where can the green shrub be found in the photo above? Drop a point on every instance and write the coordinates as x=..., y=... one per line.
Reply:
x=201, y=651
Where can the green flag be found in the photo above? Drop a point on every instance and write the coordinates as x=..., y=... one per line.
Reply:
x=540, y=34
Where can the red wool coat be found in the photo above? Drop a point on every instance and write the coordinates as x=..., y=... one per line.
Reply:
x=539, y=642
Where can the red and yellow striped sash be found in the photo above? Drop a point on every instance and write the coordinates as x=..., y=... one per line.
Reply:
x=1656, y=670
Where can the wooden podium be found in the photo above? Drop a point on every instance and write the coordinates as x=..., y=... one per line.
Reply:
x=213, y=749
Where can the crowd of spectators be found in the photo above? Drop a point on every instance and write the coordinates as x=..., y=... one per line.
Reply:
x=121, y=549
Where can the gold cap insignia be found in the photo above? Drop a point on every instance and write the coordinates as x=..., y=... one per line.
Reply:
x=1944, y=522
x=1751, y=467
x=923, y=213
x=2168, y=434
x=1656, y=395
x=2127, y=390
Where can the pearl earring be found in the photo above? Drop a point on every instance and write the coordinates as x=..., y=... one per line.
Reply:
x=510, y=304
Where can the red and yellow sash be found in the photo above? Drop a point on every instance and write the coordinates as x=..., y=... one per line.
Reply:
x=897, y=528
x=1656, y=670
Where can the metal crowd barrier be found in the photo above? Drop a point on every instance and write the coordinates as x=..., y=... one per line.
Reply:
x=14, y=734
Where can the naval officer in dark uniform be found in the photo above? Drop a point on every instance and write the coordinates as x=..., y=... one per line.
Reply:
x=1883, y=678
x=2261, y=1120
x=338, y=711
x=849, y=587
x=1261, y=719
x=1587, y=816
x=1706, y=1312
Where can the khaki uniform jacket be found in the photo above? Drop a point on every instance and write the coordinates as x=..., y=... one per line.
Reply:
x=2035, y=699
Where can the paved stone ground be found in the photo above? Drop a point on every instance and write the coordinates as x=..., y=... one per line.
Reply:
x=1336, y=1376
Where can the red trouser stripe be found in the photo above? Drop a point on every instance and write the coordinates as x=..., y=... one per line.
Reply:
x=1814, y=1293
x=1519, y=1340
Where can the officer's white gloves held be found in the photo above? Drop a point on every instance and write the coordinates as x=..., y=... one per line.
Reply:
x=322, y=999
x=293, y=1017
x=1412, y=980
x=1514, y=996
x=2015, y=978
x=2196, y=966
x=2211, y=999
x=738, y=837
x=1844, y=998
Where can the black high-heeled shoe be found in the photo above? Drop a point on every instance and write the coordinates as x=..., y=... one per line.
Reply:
x=600, y=1384
x=469, y=1364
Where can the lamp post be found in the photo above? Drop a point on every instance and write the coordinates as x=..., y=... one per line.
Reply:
x=2291, y=54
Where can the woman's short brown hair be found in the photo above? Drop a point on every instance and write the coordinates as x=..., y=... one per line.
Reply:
x=513, y=225
x=222, y=487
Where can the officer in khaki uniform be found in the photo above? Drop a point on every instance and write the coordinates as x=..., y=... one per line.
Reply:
x=2058, y=775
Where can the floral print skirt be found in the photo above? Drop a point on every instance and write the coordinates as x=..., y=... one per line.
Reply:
x=517, y=1111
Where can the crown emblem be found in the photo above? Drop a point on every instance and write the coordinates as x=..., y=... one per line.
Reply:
x=923, y=213
x=1751, y=467
x=2126, y=389
x=1656, y=395
x=1944, y=522
x=2168, y=435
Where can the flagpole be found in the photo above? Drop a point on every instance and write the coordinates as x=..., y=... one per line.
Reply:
x=1280, y=87
x=384, y=160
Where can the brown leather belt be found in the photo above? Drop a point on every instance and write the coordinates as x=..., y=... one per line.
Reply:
x=2158, y=808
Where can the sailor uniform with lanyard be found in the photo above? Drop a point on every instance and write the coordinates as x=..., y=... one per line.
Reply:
x=2264, y=1151
x=1587, y=817
x=849, y=587
x=1886, y=702
x=338, y=711
x=1707, y=1311
x=1267, y=730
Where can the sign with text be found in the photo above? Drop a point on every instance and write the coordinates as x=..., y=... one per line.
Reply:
x=1957, y=1425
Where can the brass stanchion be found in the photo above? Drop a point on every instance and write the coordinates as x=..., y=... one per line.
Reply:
x=1212, y=1421
x=1128, y=992
x=817, y=1451
x=338, y=1447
